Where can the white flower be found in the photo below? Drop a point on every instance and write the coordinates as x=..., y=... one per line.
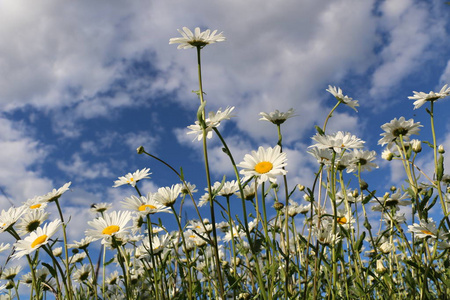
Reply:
x=196, y=39
x=100, y=207
x=276, y=117
x=144, y=205
x=10, y=273
x=82, y=274
x=395, y=128
x=4, y=247
x=168, y=195
x=213, y=121
x=249, y=191
x=36, y=239
x=83, y=244
x=337, y=93
x=109, y=225
x=265, y=164
x=9, y=217
x=337, y=141
x=422, y=97
x=363, y=159
x=55, y=193
x=424, y=229
x=185, y=189
x=394, y=200
x=132, y=179
x=294, y=208
x=35, y=203
x=30, y=221
x=323, y=156
x=228, y=188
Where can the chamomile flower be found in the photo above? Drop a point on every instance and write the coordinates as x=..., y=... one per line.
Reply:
x=55, y=193
x=36, y=239
x=295, y=208
x=396, y=128
x=337, y=141
x=337, y=93
x=276, y=117
x=323, y=156
x=109, y=225
x=424, y=229
x=197, y=38
x=159, y=243
x=144, y=205
x=421, y=98
x=264, y=164
x=168, y=195
x=133, y=178
x=30, y=221
x=185, y=189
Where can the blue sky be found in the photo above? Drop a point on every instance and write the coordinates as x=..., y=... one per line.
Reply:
x=85, y=83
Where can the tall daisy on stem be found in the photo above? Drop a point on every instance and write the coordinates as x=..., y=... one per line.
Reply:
x=199, y=39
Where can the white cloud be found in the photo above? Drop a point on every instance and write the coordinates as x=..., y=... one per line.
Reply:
x=80, y=168
x=21, y=160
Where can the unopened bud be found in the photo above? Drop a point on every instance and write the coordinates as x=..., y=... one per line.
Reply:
x=301, y=188
x=416, y=145
x=441, y=149
x=140, y=150
x=278, y=206
x=393, y=188
x=364, y=185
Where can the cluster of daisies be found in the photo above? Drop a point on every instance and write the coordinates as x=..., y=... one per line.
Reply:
x=145, y=259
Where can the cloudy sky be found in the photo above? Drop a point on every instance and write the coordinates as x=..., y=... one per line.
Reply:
x=84, y=83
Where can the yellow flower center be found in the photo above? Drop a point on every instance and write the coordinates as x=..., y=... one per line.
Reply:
x=426, y=232
x=131, y=179
x=143, y=207
x=342, y=220
x=35, y=206
x=39, y=241
x=263, y=167
x=110, y=229
x=192, y=236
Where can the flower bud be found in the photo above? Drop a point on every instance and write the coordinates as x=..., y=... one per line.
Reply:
x=387, y=155
x=380, y=267
x=278, y=206
x=140, y=150
x=364, y=185
x=416, y=145
x=393, y=188
x=301, y=188
x=441, y=149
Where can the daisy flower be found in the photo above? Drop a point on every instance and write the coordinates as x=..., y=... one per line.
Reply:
x=213, y=121
x=168, y=195
x=11, y=273
x=9, y=217
x=424, y=229
x=185, y=189
x=395, y=128
x=337, y=141
x=249, y=191
x=389, y=201
x=421, y=97
x=100, y=207
x=144, y=205
x=4, y=247
x=35, y=203
x=197, y=38
x=132, y=179
x=109, y=225
x=30, y=221
x=82, y=274
x=265, y=164
x=363, y=159
x=55, y=193
x=228, y=188
x=337, y=93
x=276, y=117
x=294, y=208
x=36, y=239
x=323, y=156
x=83, y=244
